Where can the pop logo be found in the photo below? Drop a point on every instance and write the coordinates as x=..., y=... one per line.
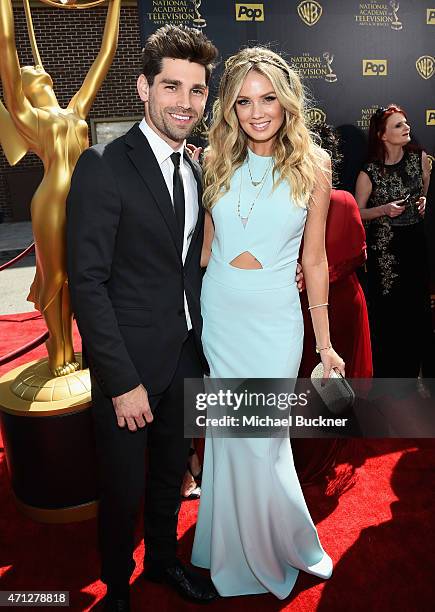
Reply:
x=430, y=16
x=375, y=67
x=249, y=12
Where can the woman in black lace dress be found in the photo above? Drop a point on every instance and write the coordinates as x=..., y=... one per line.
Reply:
x=391, y=194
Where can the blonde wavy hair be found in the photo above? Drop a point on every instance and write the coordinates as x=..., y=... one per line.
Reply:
x=296, y=156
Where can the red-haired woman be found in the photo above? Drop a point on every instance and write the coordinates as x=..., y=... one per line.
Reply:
x=391, y=194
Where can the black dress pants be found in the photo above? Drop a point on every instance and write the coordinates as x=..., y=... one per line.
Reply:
x=121, y=470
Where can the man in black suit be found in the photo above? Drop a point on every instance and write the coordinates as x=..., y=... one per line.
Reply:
x=135, y=229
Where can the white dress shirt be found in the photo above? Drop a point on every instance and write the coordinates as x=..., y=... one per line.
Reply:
x=162, y=152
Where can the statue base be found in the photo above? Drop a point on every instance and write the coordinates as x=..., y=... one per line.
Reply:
x=36, y=383
x=46, y=426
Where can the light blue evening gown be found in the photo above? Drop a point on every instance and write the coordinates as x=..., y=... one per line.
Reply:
x=254, y=531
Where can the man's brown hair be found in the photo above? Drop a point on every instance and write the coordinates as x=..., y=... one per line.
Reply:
x=177, y=42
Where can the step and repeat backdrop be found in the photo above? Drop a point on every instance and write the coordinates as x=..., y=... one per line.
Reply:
x=354, y=56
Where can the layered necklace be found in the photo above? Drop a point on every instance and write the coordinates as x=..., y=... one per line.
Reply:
x=256, y=183
x=260, y=183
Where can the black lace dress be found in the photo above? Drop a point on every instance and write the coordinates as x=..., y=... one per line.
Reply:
x=398, y=284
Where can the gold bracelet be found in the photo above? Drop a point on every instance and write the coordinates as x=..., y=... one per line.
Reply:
x=324, y=348
x=317, y=306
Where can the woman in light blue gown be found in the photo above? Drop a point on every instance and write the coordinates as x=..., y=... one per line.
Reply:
x=266, y=185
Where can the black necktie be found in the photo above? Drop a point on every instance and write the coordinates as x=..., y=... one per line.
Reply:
x=178, y=195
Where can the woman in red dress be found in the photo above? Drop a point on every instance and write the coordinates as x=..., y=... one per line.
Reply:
x=348, y=319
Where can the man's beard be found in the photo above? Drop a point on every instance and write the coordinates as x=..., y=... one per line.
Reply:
x=173, y=132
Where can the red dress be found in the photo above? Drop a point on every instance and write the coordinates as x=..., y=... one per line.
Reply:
x=348, y=321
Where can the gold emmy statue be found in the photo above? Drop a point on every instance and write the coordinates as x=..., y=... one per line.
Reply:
x=35, y=122
x=396, y=24
x=58, y=483
x=198, y=20
x=75, y=4
x=331, y=77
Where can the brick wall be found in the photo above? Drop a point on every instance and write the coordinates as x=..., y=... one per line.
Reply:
x=68, y=43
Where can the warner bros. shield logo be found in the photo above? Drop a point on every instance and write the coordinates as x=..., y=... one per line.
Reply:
x=425, y=66
x=310, y=12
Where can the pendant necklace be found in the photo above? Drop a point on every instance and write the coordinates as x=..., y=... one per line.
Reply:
x=256, y=183
x=244, y=220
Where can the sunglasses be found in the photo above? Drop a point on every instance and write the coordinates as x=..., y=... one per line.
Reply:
x=380, y=111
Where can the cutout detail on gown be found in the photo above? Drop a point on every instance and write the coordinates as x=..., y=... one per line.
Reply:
x=257, y=264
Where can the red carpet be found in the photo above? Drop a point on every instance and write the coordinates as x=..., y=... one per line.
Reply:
x=19, y=329
x=377, y=522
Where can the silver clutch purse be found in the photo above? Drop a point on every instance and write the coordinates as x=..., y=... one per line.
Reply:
x=336, y=394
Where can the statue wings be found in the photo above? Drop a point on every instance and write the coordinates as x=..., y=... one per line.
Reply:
x=11, y=141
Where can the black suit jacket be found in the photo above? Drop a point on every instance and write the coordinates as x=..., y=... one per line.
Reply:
x=125, y=270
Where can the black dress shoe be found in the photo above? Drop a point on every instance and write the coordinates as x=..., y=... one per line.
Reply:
x=114, y=603
x=187, y=583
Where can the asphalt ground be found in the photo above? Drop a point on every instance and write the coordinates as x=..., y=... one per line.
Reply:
x=16, y=280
